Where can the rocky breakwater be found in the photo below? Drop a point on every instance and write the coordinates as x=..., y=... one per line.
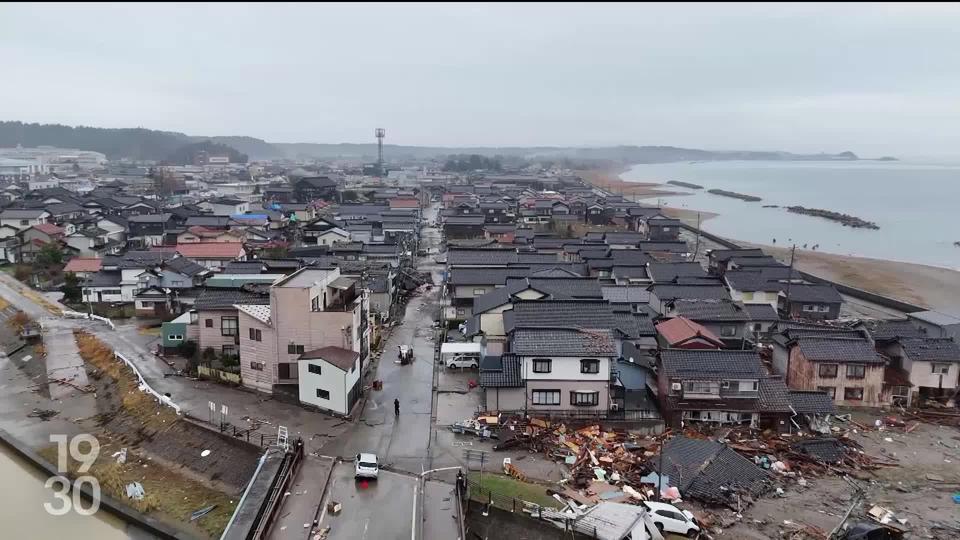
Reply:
x=687, y=185
x=735, y=195
x=844, y=219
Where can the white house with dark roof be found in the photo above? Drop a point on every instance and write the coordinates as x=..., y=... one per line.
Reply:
x=330, y=379
x=932, y=365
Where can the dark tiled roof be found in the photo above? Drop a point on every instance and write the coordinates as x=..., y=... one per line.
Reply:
x=665, y=291
x=720, y=255
x=623, y=238
x=860, y=351
x=481, y=256
x=812, y=402
x=684, y=363
x=464, y=220
x=670, y=247
x=226, y=298
x=825, y=294
x=668, y=271
x=562, y=342
x=566, y=287
x=630, y=272
x=886, y=330
x=104, y=279
x=185, y=266
x=774, y=396
x=244, y=267
x=625, y=295
x=931, y=349
x=338, y=356
x=711, y=310
x=710, y=471
x=506, y=377
x=761, y=312
x=573, y=314
x=485, y=276
x=828, y=450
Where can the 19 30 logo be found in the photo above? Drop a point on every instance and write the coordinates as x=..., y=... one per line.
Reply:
x=84, y=449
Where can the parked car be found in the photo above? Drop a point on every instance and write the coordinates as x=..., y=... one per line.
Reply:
x=669, y=518
x=367, y=466
x=464, y=361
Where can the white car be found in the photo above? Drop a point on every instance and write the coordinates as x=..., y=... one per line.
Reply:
x=366, y=466
x=669, y=518
x=463, y=361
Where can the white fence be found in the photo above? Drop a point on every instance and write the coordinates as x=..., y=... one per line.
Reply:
x=144, y=387
x=78, y=315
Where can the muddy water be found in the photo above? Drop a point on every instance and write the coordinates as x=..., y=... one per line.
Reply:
x=23, y=515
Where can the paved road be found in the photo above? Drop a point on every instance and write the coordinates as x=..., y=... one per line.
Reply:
x=382, y=509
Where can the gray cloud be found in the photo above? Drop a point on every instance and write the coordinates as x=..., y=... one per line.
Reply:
x=875, y=79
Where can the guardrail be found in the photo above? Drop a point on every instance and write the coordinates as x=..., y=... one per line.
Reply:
x=89, y=316
x=144, y=387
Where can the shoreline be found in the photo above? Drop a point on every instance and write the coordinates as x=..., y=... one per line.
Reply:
x=937, y=287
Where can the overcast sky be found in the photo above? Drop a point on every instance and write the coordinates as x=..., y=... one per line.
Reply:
x=875, y=79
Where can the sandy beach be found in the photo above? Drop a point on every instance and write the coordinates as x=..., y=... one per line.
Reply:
x=930, y=286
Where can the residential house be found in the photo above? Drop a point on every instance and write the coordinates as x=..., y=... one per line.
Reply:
x=630, y=396
x=213, y=255
x=931, y=364
x=330, y=379
x=309, y=310
x=813, y=302
x=931, y=323
x=846, y=368
x=147, y=230
x=463, y=226
x=312, y=188
x=323, y=232
x=218, y=317
x=723, y=318
x=682, y=333
x=718, y=258
x=720, y=387
x=82, y=267
x=661, y=293
x=225, y=206
x=9, y=244
x=33, y=239
x=197, y=234
x=24, y=218
x=564, y=369
x=660, y=228
x=710, y=472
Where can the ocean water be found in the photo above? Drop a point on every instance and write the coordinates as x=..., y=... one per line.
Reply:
x=916, y=205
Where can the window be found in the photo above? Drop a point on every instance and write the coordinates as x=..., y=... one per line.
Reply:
x=208, y=323
x=828, y=371
x=315, y=303
x=809, y=307
x=313, y=368
x=293, y=348
x=228, y=326
x=256, y=366
x=589, y=365
x=748, y=295
x=542, y=365
x=856, y=371
x=323, y=394
x=24, y=222
x=823, y=308
x=853, y=393
x=728, y=331
x=757, y=327
x=178, y=283
x=940, y=369
x=698, y=387
x=175, y=337
x=830, y=390
x=479, y=292
x=545, y=397
x=584, y=399
x=229, y=351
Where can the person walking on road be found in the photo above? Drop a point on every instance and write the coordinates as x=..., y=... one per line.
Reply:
x=396, y=407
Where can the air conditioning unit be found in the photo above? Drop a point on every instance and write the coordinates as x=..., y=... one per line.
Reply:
x=614, y=407
x=676, y=386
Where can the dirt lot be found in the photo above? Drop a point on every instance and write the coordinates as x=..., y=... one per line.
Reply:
x=905, y=490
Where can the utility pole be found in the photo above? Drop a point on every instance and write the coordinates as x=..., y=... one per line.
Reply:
x=793, y=252
x=696, y=250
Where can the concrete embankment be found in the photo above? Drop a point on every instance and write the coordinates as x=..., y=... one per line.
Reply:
x=115, y=507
